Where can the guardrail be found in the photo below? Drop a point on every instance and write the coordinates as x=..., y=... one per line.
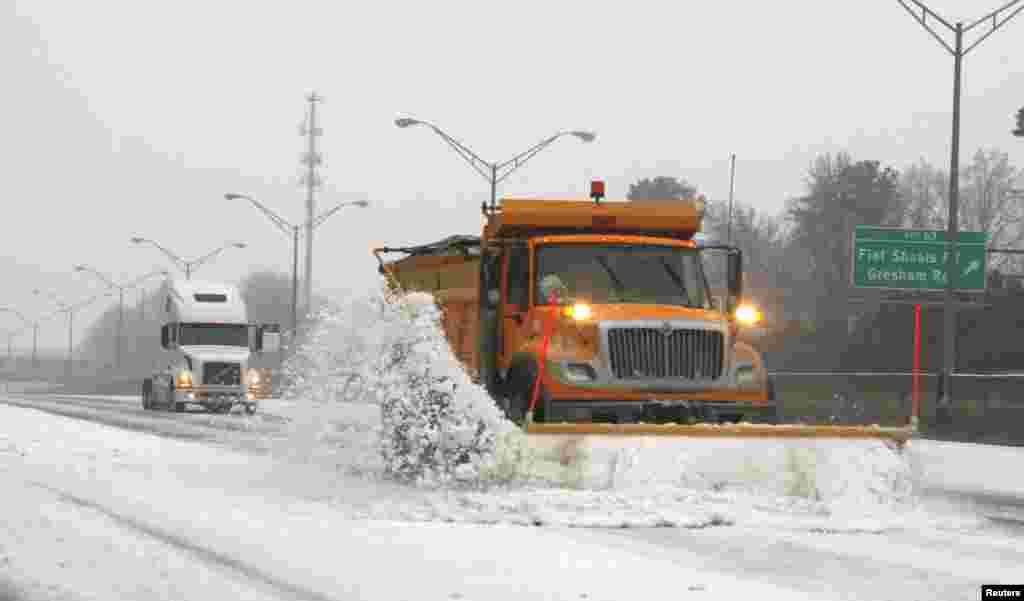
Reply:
x=986, y=406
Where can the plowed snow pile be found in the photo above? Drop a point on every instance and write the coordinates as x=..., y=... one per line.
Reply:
x=377, y=392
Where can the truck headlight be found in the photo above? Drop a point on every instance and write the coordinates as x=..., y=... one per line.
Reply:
x=577, y=311
x=748, y=315
x=254, y=376
x=183, y=379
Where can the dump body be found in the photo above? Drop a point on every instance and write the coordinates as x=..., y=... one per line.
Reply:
x=652, y=346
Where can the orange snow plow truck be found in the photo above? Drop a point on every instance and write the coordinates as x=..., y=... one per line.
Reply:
x=583, y=316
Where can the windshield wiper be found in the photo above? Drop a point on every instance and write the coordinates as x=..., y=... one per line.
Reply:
x=611, y=274
x=675, y=278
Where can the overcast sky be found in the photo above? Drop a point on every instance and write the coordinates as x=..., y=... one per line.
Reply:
x=134, y=118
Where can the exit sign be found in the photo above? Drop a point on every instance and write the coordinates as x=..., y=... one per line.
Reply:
x=902, y=259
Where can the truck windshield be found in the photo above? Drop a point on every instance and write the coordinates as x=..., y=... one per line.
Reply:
x=214, y=334
x=603, y=274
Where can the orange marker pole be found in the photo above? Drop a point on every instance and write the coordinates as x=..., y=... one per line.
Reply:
x=543, y=355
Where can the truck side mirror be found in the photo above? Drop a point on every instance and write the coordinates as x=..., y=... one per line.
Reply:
x=734, y=275
x=268, y=338
x=165, y=336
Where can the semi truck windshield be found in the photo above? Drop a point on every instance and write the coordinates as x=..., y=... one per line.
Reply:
x=214, y=334
x=603, y=274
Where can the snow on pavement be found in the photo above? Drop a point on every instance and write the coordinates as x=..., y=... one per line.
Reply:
x=112, y=514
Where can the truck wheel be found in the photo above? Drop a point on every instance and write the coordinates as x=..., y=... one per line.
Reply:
x=179, y=407
x=147, y=394
x=519, y=389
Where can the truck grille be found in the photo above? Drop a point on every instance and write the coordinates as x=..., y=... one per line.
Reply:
x=641, y=353
x=227, y=374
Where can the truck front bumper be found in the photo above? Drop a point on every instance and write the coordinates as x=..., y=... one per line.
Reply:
x=215, y=396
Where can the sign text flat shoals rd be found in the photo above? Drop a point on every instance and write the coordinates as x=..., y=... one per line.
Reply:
x=915, y=259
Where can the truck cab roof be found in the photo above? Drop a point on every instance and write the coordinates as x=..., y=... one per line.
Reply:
x=200, y=301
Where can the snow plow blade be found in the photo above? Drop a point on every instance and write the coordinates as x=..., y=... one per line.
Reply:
x=899, y=435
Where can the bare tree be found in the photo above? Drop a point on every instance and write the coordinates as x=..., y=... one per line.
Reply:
x=924, y=191
x=841, y=194
x=988, y=203
x=661, y=188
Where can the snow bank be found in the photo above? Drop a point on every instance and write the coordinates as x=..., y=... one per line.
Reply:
x=435, y=424
x=431, y=425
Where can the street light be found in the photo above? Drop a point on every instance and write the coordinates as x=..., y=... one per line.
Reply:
x=188, y=266
x=35, y=332
x=70, y=310
x=490, y=170
x=958, y=52
x=120, y=295
x=293, y=230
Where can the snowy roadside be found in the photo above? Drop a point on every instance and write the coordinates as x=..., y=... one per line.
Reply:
x=110, y=513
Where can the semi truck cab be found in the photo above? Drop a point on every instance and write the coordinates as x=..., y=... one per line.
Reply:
x=210, y=344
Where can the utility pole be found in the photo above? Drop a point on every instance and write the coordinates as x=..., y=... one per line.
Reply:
x=732, y=180
x=311, y=159
x=952, y=231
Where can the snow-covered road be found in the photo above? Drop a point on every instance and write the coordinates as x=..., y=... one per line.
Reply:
x=102, y=500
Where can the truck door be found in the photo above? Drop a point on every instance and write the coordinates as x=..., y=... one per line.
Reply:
x=516, y=294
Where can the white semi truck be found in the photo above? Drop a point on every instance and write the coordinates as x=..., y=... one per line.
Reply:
x=210, y=344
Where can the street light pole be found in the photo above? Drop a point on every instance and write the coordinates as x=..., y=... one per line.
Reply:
x=732, y=179
x=490, y=171
x=28, y=322
x=120, y=309
x=952, y=235
x=187, y=266
x=121, y=299
x=295, y=280
x=288, y=228
x=70, y=310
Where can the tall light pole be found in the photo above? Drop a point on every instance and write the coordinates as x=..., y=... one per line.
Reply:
x=120, y=302
x=27, y=322
x=293, y=230
x=732, y=180
x=70, y=310
x=495, y=173
x=10, y=339
x=958, y=52
x=187, y=266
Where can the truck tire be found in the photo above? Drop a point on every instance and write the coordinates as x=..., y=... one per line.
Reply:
x=179, y=407
x=518, y=391
x=147, y=394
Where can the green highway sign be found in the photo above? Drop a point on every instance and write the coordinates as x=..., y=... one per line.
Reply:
x=900, y=259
